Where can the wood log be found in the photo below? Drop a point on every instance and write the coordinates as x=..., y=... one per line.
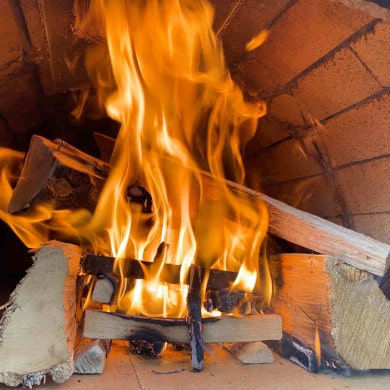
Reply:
x=38, y=328
x=57, y=172
x=250, y=353
x=131, y=268
x=98, y=324
x=90, y=356
x=104, y=290
x=344, y=304
x=314, y=233
x=194, y=307
x=302, y=228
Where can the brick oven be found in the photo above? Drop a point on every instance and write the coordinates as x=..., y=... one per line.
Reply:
x=323, y=147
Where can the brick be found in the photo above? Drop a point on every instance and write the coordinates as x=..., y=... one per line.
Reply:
x=35, y=27
x=251, y=18
x=374, y=50
x=19, y=103
x=3, y=133
x=289, y=110
x=374, y=225
x=313, y=194
x=308, y=31
x=285, y=161
x=222, y=8
x=359, y=134
x=11, y=44
x=269, y=131
x=366, y=186
x=335, y=85
x=66, y=69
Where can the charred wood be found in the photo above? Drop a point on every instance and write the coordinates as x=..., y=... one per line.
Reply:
x=194, y=307
x=250, y=353
x=57, y=172
x=135, y=269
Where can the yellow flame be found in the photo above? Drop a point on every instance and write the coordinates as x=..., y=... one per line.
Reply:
x=257, y=40
x=160, y=72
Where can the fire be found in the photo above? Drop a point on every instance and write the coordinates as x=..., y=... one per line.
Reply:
x=160, y=72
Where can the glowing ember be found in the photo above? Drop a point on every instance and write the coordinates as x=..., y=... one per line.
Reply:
x=161, y=74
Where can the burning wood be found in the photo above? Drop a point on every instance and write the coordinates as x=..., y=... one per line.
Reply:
x=38, y=328
x=194, y=305
x=99, y=324
x=135, y=269
x=56, y=171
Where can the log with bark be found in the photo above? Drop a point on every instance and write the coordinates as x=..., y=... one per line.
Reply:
x=58, y=173
x=38, y=328
x=344, y=304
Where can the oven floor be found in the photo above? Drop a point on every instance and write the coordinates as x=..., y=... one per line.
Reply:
x=173, y=371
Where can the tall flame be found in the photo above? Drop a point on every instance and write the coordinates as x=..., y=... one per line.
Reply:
x=160, y=72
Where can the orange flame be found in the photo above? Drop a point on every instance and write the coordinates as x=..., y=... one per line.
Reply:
x=317, y=345
x=160, y=73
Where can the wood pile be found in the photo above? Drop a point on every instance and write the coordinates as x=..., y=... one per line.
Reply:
x=331, y=302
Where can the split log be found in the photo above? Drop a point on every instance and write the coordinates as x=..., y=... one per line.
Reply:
x=250, y=353
x=194, y=307
x=104, y=290
x=38, y=328
x=57, y=172
x=135, y=269
x=98, y=324
x=302, y=228
x=90, y=356
x=314, y=233
x=344, y=304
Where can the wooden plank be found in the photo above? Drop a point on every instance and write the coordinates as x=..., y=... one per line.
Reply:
x=317, y=234
x=345, y=305
x=98, y=324
x=38, y=328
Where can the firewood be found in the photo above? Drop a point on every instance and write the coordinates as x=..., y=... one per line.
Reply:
x=305, y=229
x=57, y=172
x=38, y=328
x=105, y=325
x=131, y=268
x=104, y=290
x=90, y=356
x=343, y=303
x=229, y=301
x=249, y=353
x=194, y=307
